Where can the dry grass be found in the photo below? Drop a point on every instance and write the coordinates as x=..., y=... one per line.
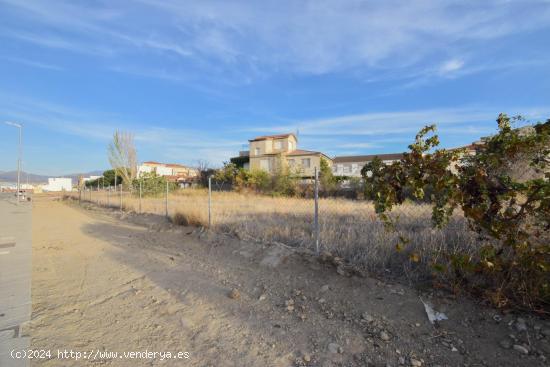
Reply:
x=348, y=228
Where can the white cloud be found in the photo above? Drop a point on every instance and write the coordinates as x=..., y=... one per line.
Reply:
x=32, y=63
x=451, y=66
x=243, y=39
x=172, y=144
x=372, y=132
x=401, y=122
x=358, y=145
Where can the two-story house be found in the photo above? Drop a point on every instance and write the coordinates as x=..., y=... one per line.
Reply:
x=272, y=153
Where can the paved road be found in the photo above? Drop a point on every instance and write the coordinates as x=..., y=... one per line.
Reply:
x=15, y=276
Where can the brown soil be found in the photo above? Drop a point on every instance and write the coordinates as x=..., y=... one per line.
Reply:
x=102, y=282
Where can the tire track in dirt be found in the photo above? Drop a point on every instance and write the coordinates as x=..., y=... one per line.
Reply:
x=161, y=288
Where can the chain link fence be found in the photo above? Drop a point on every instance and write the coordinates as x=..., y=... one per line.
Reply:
x=343, y=223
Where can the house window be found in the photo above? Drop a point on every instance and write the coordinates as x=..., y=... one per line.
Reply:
x=340, y=168
x=264, y=164
x=290, y=146
x=278, y=145
x=306, y=162
x=257, y=151
x=346, y=168
x=354, y=167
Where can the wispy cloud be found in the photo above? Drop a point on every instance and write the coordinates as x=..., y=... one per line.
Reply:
x=373, y=132
x=451, y=66
x=242, y=40
x=171, y=144
x=58, y=42
x=32, y=63
x=402, y=122
x=358, y=145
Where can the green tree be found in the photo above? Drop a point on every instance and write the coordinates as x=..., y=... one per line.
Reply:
x=227, y=173
x=107, y=179
x=326, y=178
x=152, y=185
x=513, y=214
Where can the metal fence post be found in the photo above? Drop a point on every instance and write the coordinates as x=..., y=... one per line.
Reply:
x=166, y=200
x=316, y=216
x=114, y=198
x=209, y=201
x=120, y=197
x=140, y=196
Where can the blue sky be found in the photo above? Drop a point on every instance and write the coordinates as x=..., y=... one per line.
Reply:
x=195, y=80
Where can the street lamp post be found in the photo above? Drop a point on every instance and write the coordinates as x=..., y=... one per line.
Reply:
x=20, y=127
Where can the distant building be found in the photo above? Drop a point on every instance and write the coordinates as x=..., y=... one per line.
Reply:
x=351, y=166
x=58, y=184
x=273, y=152
x=82, y=180
x=27, y=187
x=8, y=187
x=179, y=173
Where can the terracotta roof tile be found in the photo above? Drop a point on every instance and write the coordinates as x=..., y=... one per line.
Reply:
x=268, y=137
x=302, y=152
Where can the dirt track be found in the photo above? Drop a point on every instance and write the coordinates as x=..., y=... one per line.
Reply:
x=110, y=284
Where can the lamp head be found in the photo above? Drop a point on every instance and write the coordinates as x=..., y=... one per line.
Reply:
x=13, y=124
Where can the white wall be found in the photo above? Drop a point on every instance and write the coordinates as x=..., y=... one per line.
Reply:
x=144, y=169
x=352, y=169
x=58, y=184
x=164, y=171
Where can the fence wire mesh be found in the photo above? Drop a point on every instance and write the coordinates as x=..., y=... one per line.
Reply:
x=344, y=223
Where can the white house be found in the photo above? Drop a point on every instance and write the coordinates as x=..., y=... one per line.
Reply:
x=167, y=169
x=58, y=184
x=164, y=170
x=351, y=166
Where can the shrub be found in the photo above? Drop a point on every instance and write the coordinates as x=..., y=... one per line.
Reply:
x=285, y=183
x=152, y=185
x=187, y=219
x=107, y=179
x=227, y=173
x=258, y=180
x=511, y=212
x=328, y=183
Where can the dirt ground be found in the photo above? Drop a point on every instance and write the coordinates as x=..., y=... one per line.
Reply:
x=105, y=283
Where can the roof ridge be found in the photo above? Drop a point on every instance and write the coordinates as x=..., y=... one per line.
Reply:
x=275, y=136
